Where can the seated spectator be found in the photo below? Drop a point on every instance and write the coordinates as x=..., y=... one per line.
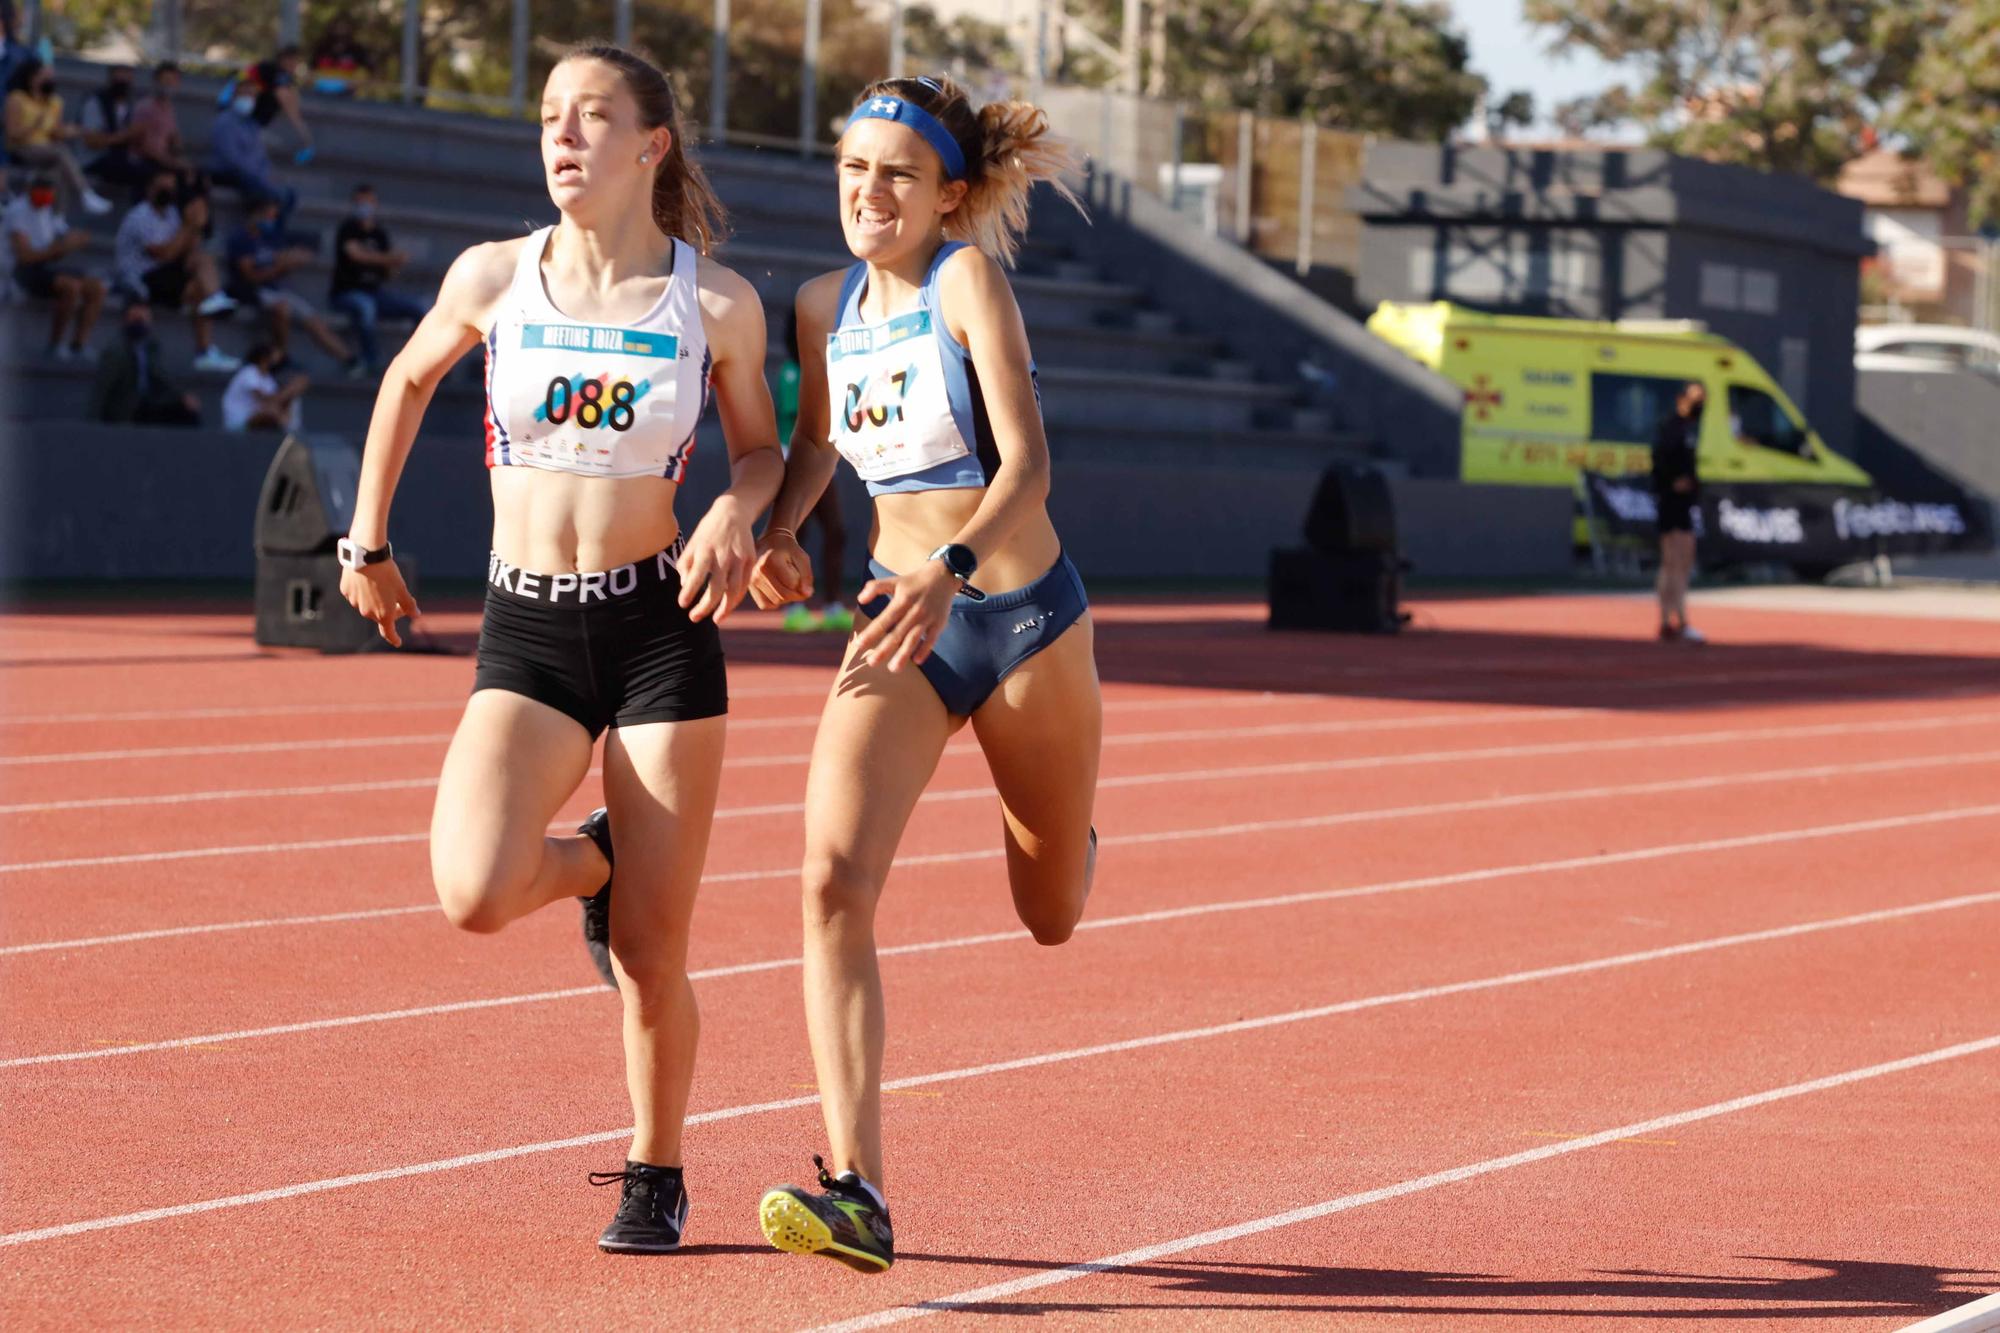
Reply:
x=160, y=260
x=363, y=262
x=37, y=136
x=40, y=239
x=255, y=400
x=156, y=128
x=106, y=122
x=12, y=51
x=258, y=259
x=237, y=159
x=130, y=386
x=272, y=89
x=340, y=63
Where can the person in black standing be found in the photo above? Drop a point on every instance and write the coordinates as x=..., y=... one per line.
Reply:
x=1676, y=492
x=363, y=263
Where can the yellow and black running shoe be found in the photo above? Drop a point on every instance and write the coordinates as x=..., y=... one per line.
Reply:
x=842, y=1222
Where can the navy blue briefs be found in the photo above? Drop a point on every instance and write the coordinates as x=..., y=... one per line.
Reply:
x=983, y=641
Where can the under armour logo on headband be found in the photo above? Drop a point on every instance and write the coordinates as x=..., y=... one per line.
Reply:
x=884, y=105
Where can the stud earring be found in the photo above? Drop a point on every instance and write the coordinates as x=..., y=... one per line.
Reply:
x=644, y=158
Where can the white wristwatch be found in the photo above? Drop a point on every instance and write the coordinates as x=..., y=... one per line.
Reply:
x=352, y=556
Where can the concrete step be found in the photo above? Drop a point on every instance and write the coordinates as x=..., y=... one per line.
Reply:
x=1072, y=398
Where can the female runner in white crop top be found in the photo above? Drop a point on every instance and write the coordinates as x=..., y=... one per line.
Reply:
x=603, y=335
x=914, y=362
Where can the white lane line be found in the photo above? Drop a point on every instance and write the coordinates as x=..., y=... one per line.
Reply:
x=1419, y=722
x=1566, y=689
x=1000, y=1291
x=1402, y=670
x=1981, y=1316
x=1181, y=835
x=1540, y=749
x=1035, y=1062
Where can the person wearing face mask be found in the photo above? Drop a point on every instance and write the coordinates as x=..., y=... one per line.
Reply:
x=130, y=385
x=39, y=238
x=363, y=263
x=238, y=159
x=160, y=258
x=106, y=123
x=1676, y=498
x=259, y=256
x=38, y=137
x=916, y=370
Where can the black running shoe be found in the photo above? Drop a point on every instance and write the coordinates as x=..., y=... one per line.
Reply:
x=842, y=1222
x=652, y=1209
x=597, y=907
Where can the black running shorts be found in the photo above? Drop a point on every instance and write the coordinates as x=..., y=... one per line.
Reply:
x=610, y=649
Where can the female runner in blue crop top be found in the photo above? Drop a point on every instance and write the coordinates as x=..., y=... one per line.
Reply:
x=915, y=368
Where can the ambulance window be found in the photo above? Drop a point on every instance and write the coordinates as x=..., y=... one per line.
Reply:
x=1628, y=408
x=1756, y=418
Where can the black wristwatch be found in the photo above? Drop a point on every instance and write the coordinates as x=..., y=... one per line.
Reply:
x=352, y=556
x=960, y=562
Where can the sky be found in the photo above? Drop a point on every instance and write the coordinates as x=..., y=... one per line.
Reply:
x=1511, y=54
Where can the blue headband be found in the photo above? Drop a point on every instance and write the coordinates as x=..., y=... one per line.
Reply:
x=920, y=120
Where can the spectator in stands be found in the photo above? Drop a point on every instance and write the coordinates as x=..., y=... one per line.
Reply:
x=160, y=260
x=106, y=122
x=12, y=51
x=363, y=262
x=237, y=159
x=39, y=238
x=340, y=63
x=258, y=258
x=37, y=136
x=255, y=400
x=273, y=89
x=156, y=129
x=130, y=386
x=1676, y=493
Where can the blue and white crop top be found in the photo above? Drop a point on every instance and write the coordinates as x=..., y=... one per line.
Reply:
x=597, y=400
x=906, y=406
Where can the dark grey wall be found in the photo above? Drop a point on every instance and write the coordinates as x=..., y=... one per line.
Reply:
x=155, y=503
x=1817, y=307
x=1921, y=427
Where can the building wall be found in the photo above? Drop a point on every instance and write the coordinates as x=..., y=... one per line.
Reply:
x=1783, y=307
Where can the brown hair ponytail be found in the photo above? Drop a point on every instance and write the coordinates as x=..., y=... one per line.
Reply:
x=1008, y=148
x=685, y=205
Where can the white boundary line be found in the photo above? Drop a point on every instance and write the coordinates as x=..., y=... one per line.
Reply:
x=1981, y=1316
x=1530, y=750
x=966, y=941
x=1082, y=1053
x=1183, y=835
x=1566, y=689
x=1455, y=667
x=1313, y=1212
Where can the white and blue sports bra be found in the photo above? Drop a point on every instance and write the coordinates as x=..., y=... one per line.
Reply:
x=906, y=405
x=597, y=400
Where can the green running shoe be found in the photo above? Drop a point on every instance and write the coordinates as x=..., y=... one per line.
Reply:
x=842, y=1221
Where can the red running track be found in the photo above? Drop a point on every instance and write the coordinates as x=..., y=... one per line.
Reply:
x=1517, y=966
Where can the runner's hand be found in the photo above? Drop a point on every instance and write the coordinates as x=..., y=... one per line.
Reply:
x=908, y=628
x=378, y=592
x=716, y=564
x=784, y=572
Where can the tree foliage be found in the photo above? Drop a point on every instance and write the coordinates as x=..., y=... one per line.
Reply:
x=1784, y=85
x=1396, y=67
x=1951, y=111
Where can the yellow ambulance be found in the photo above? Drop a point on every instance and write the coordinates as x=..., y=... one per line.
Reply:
x=1548, y=398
